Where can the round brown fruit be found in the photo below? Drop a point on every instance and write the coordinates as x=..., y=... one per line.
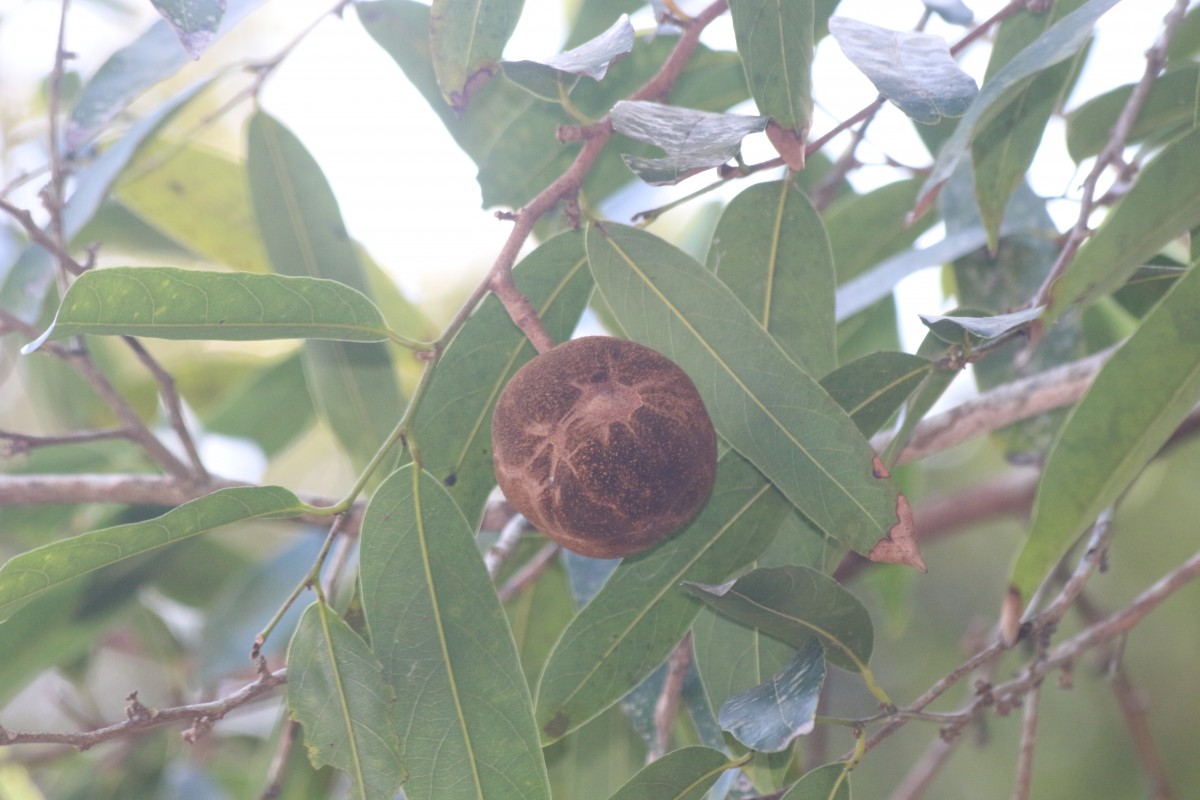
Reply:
x=604, y=445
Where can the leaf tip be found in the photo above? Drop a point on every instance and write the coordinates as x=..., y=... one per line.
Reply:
x=788, y=143
x=39, y=341
x=900, y=544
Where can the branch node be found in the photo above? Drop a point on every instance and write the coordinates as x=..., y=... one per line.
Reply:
x=135, y=710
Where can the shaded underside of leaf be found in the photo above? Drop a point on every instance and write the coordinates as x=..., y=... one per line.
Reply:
x=463, y=710
x=793, y=603
x=336, y=691
x=769, y=716
x=693, y=140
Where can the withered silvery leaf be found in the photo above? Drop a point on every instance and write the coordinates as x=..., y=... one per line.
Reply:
x=953, y=11
x=769, y=716
x=913, y=70
x=195, y=22
x=954, y=329
x=693, y=140
x=592, y=58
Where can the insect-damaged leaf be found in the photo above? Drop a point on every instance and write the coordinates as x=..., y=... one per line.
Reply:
x=693, y=140
x=913, y=70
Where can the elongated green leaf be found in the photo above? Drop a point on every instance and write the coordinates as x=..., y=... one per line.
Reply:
x=1171, y=103
x=23, y=285
x=872, y=388
x=777, y=416
x=684, y=774
x=1113, y=432
x=438, y=628
x=915, y=71
x=1163, y=204
x=151, y=58
x=1063, y=40
x=597, y=759
x=769, y=716
x=775, y=41
x=453, y=423
x=336, y=691
x=195, y=22
x=198, y=197
x=170, y=303
x=771, y=250
x=1004, y=148
x=353, y=384
x=640, y=614
x=828, y=782
x=794, y=604
x=466, y=38
x=271, y=408
x=26, y=576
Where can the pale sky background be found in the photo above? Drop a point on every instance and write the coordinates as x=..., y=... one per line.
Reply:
x=410, y=195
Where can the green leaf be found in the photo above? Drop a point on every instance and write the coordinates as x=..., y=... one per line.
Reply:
x=1170, y=103
x=915, y=71
x=872, y=388
x=23, y=285
x=771, y=250
x=29, y=574
x=777, y=416
x=453, y=423
x=955, y=12
x=171, y=303
x=195, y=22
x=336, y=691
x=440, y=633
x=794, y=604
x=597, y=759
x=1113, y=432
x=148, y=60
x=775, y=41
x=975, y=330
x=1164, y=203
x=466, y=38
x=271, y=408
x=1004, y=148
x=1062, y=41
x=768, y=717
x=693, y=140
x=352, y=384
x=828, y=782
x=639, y=615
x=684, y=774
x=198, y=198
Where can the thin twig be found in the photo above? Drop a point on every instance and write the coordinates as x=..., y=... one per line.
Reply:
x=1156, y=59
x=667, y=706
x=528, y=572
x=926, y=768
x=22, y=443
x=498, y=553
x=141, y=717
x=170, y=398
x=276, y=773
x=1025, y=751
x=40, y=237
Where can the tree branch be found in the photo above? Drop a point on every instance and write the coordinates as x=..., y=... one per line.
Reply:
x=140, y=717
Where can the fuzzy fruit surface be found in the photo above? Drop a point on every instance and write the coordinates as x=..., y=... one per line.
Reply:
x=604, y=445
